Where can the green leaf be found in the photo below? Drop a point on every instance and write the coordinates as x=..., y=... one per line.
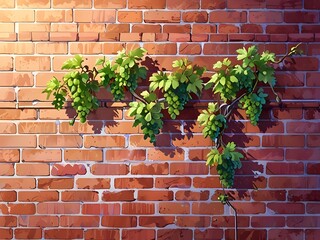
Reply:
x=73, y=63
x=217, y=65
x=100, y=61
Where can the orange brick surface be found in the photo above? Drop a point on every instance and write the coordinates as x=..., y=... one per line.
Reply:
x=102, y=179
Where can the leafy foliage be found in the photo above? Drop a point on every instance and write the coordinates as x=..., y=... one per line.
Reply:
x=178, y=85
x=123, y=72
x=236, y=85
x=148, y=115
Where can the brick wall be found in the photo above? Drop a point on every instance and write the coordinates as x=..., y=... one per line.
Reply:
x=101, y=180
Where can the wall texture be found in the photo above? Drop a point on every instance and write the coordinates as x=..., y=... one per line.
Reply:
x=101, y=180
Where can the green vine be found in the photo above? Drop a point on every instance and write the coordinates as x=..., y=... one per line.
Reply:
x=233, y=86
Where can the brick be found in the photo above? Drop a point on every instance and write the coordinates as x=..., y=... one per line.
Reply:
x=294, y=182
x=38, y=221
x=147, y=234
x=161, y=49
x=227, y=17
x=67, y=27
x=94, y=16
x=193, y=221
x=16, y=79
x=283, y=29
x=178, y=234
x=119, y=221
x=109, y=169
x=195, y=16
x=63, y=36
x=124, y=154
x=104, y=141
x=64, y=170
x=174, y=208
x=150, y=169
x=60, y=141
x=138, y=208
x=284, y=4
x=7, y=128
x=7, y=169
x=22, y=209
x=244, y=4
x=188, y=169
x=58, y=208
x=37, y=127
x=228, y=221
x=83, y=155
x=302, y=221
x=208, y=4
x=25, y=233
x=33, y=63
x=16, y=15
x=127, y=183
x=208, y=234
x=63, y=233
x=28, y=4
x=203, y=28
x=285, y=168
x=269, y=195
x=130, y=16
x=283, y=141
x=147, y=4
x=162, y=17
x=93, y=183
x=265, y=17
x=179, y=37
x=191, y=196
x=313, y=168
x=254, y=28
x=283, y=233
x=75, y=196
x=6, y=63
x=104, y=209
x=302, y=154
x=41, y=155
x=79, y=221
x=53, y=15
x=206, y=182
x=55, y=183
x=17, y=48
x=11, y=141
x=8, y=221
x=173, y=182
x=155, y=221
x=32, y=169
x=180, y=4
x=125, y=195
x=71, y=4
x=146, y=28
x=150, y=195
x=250, y=208
x=8, y=196
x=51, y=48
x=301, y=17
x=102, y=233
x=286, y=208
x=38, y=196
x=166, y=154
x=227, y=28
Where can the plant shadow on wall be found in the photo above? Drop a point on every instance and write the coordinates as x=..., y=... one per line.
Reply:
x=234, y=86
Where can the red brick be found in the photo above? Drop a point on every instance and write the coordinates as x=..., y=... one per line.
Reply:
x=313, y=168
x=109, y=169
x=285, y=168
x=32, y=169
x=102, y=233
x=38, y=221
x=93, y=183
x=41, y=155
x=94, y=16
x=286, y=208
x=177, y=234
x=294, y=182
x=227, y=17
x=155, y=221
x=274, y=234
x=27, y=233
x=207, y=208
x=265, y=17
x=283, y=141
x=75, y=196
x=161, y=49
x=174, y=208
x=38, y=196
x=150, y=195
x=302, y=221
x=269, y=195
x=128, y=183
x=126, y=195
x=150, y=169
x=119, y=221
x=138, y=208
x=303, y=195
x=192, y=16
x=63, y=233
x=173, y=182
x=188, y=169
x=192, y=196
x=83, y=155
x=130, y=16
x=58, y=208
x=147, y=234
x=124, y=155
x=193, y=221
x=162, y=17
x=284, y=4
x=162, y=154
x=147, y=4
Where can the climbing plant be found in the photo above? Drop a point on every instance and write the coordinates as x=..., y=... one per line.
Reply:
x=233, y=85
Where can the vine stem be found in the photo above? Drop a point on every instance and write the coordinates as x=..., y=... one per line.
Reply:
x=138, y=97
x=235, y=215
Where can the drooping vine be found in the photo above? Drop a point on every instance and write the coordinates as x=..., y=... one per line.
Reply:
x=233, y=86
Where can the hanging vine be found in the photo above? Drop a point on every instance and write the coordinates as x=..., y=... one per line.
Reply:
x=236, y=85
